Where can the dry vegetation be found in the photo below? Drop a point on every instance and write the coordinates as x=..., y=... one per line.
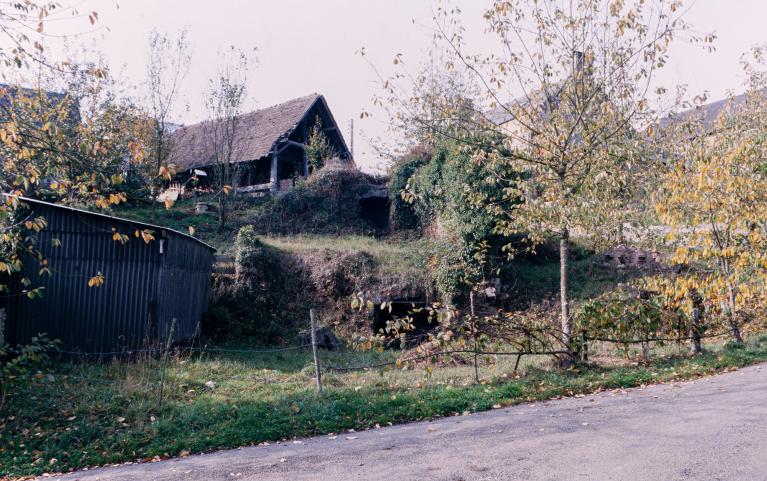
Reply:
x=84, y=414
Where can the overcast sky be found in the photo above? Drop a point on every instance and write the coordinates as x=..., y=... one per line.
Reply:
x=309, y=46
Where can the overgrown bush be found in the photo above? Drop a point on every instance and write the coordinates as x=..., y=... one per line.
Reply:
x=337, y=275
x=326, y=203
x=626, y=318
x=267, y=297
x=403, y=213
x=447, y=194
x=448, y=271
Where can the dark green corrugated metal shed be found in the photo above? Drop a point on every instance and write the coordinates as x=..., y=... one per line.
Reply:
x=147, y=285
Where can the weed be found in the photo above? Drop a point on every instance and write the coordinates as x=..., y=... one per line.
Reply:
x=85, y=414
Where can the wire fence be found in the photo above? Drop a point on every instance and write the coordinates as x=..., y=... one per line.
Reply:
x=576, y=347
x=188, y=349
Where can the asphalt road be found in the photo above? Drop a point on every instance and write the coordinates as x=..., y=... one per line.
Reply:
x=711, y=429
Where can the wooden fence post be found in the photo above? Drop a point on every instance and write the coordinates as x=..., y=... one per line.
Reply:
x=164, y=360
x=317, y=371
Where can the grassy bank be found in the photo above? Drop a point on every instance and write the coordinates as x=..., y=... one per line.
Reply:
x=398, y=259
x=182, y=216
x=86, y=414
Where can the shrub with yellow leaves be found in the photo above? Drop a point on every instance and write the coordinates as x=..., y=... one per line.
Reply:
x=713, y=198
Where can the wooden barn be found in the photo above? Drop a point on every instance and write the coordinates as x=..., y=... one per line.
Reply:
x=151, y=290
x=269, y=144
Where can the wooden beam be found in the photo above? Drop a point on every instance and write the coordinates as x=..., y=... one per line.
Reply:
x=289, y=143
x=279, y=151
x=274, y=175
x=255, y=188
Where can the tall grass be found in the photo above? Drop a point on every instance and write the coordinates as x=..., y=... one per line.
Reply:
x=77, y=414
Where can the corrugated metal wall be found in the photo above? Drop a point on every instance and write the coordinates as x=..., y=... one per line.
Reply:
x=144, y=288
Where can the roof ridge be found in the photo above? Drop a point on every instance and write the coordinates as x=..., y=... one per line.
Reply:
x=260, y=130
x=252, y=112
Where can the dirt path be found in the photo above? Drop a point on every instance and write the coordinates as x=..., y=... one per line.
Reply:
x=712, y=429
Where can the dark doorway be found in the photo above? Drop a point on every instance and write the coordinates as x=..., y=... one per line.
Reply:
x=400, y=309
x=375, y=212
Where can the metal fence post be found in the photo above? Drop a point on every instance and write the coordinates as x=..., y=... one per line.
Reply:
x=317, y=371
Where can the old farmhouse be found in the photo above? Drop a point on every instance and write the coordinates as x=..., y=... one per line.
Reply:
x=269, y=144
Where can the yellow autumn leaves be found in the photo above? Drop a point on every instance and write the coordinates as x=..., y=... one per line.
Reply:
x=713, y=199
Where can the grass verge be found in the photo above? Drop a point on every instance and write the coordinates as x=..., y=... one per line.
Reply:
x=95, y=414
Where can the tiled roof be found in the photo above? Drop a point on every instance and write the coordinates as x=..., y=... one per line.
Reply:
x=256, y=134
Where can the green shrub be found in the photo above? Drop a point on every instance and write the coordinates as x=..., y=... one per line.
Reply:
x=403, y=213
x=448, y=194
x=267, y=299
x=448, y=272
x=326, y=203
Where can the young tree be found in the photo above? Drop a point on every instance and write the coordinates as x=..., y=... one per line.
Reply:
x=225, y=99
x=318, y=147
x=714, y=199
x=560, y=102
x=167, y=66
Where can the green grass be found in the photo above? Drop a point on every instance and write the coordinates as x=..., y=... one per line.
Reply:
x=182, y=216
x=85, y=414
x=539, y=280
x=397, y=257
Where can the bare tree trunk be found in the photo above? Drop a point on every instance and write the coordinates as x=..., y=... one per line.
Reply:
x=564, y=254
x=695, y=346
x=696, y=322
x=156, y=181
x=222, y=213
x=731, y=315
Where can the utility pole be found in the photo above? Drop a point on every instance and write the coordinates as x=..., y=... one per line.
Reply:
x=351, y=136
